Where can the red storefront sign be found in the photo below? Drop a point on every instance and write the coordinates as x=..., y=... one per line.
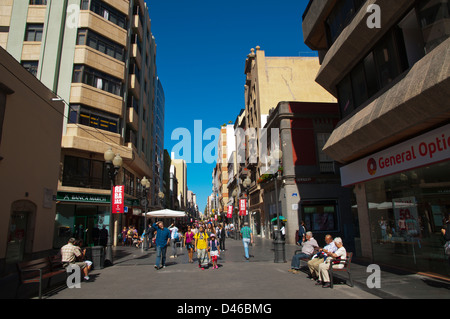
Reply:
x=118, y=199
x=242, y=207
x=230, y=211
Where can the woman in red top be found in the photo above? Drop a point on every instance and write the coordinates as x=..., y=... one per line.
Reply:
x=189, y=243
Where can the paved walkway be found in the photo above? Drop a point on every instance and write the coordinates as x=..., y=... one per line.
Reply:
x=133, y=276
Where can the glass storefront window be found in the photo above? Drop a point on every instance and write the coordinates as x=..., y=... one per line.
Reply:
x=406, y=213
x=320, y=216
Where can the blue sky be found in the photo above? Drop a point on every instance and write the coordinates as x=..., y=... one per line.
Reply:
x=201, y=50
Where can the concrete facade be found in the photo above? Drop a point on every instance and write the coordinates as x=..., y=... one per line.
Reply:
x=403, y=75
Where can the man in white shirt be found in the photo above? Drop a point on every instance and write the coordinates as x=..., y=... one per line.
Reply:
x=340, y=254
x=307, y=251
x=321, y=256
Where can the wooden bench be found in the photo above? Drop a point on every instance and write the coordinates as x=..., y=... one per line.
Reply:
x=35, y=271
x=298, y=251
x=347, y=262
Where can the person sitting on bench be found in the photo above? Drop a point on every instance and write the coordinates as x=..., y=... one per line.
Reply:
x=307, y=251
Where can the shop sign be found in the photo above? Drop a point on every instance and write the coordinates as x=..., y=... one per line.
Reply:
x=242, y=207
x=230, y=211
x=118, y=199
x=81, y=197
x=426, y=149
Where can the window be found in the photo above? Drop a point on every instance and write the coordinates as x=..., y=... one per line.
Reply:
x=83, y=172
x=31, y=66
x=38, y=2
x=128, y=182
x=345, y=96
x=94, y=118
x=97, y=79
x=107, y=12
x=4, y=91
x=33, y=32
x=320, y=216
x=326, y=163
x=340, y=17
x=379, y=68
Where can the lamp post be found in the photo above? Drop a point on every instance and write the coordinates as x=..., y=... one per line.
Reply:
x=279, y=243
x=113, y=164
x=161, y=199
x=146, y=185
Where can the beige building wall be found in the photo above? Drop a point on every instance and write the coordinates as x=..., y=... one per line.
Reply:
x=181, y=175
x=30, y=149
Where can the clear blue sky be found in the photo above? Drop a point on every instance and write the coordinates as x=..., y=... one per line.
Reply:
x=201, y=50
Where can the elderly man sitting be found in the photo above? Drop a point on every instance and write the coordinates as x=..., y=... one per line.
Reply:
x=334, y=261
x=320, y=257
x=307, y=251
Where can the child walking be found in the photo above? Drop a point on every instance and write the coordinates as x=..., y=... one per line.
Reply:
x=214, y=250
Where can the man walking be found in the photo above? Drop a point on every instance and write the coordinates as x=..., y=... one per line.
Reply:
x=161, y=241
x=247, y=238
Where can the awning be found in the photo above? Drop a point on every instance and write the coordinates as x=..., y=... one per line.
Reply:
x=166, y=213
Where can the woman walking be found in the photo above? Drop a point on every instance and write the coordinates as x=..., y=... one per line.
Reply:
x=189, y=243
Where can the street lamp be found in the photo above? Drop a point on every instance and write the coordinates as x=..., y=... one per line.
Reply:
x=113, y=164
x=161, y=199
x=279, y=243
x=146, y=185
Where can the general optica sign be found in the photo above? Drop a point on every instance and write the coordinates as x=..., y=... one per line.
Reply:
x=429, y=148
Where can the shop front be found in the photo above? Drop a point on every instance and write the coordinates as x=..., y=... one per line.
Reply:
x=406, y=194
x=82, y=216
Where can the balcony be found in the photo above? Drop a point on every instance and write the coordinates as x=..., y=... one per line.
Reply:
x=88, y=56
x=133, y=118
x=81, y=93
x=88, y=19
x=133, y=85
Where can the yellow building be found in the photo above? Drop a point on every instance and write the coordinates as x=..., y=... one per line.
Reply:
x=99, y=57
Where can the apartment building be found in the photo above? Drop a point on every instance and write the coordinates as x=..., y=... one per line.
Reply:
x=270, y=80
x=99, y=57
x=392, y=83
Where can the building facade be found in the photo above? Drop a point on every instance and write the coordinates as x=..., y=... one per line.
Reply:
x=99, y=57
x=392, y=84
x=180, y=173
x=158, y=142
x=308, y=183
x=270, y=80
x=30, y=145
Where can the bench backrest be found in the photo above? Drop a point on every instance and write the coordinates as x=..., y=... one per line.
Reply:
x=26, y=268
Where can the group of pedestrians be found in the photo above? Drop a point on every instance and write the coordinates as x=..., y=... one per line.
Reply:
x=206, y=240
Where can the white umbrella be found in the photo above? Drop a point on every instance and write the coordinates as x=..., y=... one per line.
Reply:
x=166, y=213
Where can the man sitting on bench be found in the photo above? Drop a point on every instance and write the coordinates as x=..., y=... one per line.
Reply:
x=307, y=251
x=320, y=257
x=69, y=255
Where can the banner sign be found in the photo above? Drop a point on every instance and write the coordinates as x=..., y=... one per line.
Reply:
x=242, y=207
x=118, y=199
x=426, y=149
x=230, y=211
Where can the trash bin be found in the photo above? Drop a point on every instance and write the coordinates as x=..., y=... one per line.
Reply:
x=98, y=257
